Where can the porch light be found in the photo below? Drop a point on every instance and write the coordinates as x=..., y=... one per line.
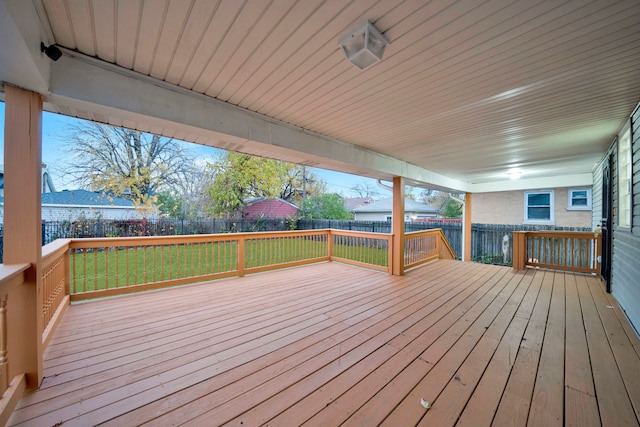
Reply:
x=364, y=46
x=515, y=175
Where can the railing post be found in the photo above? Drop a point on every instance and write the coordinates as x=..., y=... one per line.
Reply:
x=329, y=244
x=519, y=249
x=240, y=255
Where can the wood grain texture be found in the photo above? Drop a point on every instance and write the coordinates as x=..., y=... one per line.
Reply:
x=333, y=344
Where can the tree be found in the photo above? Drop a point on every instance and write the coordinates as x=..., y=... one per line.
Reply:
x=452, y=209
x=236, y=177
x=170, y=204
x=124, y=162
x=365, y=189
x=326, y=206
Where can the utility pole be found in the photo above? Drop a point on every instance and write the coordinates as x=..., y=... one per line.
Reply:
x=304, y=183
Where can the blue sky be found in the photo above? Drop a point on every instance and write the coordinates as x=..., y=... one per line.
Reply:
x=54, y=126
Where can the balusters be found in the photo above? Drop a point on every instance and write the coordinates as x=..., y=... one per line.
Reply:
x=4, y=353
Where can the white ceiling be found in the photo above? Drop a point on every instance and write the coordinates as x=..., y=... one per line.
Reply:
x=466, y=90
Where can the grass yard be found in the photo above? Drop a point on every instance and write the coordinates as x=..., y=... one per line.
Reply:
x=116, y=267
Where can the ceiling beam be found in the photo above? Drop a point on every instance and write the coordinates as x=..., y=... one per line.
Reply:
x=115, y=95
x=81, y=83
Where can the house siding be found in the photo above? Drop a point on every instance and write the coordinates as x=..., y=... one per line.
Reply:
x=74, y=213
x=625, y=268
x=64, y=213
x=378, y=216
x=507, y=207
x=596, y=198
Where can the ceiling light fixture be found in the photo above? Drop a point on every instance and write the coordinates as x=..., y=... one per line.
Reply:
x=515, y=175
x=364, y=46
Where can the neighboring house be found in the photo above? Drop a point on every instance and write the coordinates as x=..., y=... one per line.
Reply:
x=381, y=211
x=269, y=208
x=351, y=203
x=71, y=205
x=560, y=207
x=47, y=183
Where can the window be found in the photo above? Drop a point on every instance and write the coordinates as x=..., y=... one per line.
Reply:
x=624, y=179
x=538, y=206
x=579, y=199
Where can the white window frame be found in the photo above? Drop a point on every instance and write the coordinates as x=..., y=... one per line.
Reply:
x=624, y=177
x=551, y=207
x=570, y=197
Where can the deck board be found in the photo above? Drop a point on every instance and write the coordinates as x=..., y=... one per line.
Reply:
x=331, y=344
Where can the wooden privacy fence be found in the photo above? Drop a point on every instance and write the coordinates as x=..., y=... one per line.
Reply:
x=558, y=250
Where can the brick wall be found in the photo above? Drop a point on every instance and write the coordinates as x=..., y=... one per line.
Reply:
x=507, y=207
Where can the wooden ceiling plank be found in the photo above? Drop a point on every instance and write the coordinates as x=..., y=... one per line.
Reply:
x=193, y=39
x=252, y=41
x=104, y=16
x=60, y=22
x=153, y=16
x=233, y=41
x=171, y=30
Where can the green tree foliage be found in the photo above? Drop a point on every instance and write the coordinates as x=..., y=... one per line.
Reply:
x=326, y=206
x=236, y=177
x=170, y=204
x=124, y=162
x=452, y=209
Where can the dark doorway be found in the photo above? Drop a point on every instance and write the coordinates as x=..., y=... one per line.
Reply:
x=607, y=222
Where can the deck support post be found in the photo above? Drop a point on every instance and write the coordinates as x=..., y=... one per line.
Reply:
x=22, y=229
x=397, y=226
x=466, y=229
x=519, y=250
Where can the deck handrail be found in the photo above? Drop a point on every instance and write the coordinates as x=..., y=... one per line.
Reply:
x=12, y=374
x=427, y=245
x=110, y=266
x=576, y=251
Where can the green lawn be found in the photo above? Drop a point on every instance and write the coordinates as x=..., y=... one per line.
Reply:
x=121, y=267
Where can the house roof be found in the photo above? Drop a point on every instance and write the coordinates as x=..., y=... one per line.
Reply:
x=255, y=200
x=350, y=203
x=85, y=198
x=386, y=205
x=465, y=91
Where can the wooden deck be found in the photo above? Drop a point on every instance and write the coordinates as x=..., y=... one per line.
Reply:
x=331, y=344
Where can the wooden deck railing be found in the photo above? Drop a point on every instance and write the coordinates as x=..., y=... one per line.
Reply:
x=13, y=294
x=75, y=269
x=371, y=250
x=424, y=246
x=559, y=250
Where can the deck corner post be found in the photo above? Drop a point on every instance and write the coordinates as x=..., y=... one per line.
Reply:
x=466, y=229
x=23, y=228
x=397, y=226
x=519, y=249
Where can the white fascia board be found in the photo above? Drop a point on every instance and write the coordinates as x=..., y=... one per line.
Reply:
x=21, y=62
x=87, y=84
x=578, y=180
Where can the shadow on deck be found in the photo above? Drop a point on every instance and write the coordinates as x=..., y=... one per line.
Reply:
x=331, y=344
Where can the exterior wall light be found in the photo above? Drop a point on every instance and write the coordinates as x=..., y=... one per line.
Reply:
x=364, y=46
